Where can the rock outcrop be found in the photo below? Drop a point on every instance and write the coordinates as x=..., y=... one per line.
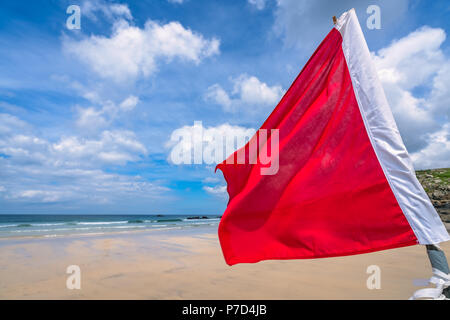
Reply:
x=436, y=183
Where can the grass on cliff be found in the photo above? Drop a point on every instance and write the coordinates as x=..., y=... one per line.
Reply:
x=437, y=173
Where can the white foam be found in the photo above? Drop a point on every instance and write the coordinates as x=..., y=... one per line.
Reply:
x=103, y=222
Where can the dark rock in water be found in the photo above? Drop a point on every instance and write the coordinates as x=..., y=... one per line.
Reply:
x=169, y=220
x=160, y=215
x=197, y=217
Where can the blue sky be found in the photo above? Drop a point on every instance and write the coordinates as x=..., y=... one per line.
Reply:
x=88, y=117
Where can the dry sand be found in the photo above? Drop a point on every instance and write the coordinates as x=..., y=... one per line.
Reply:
x=188, y=264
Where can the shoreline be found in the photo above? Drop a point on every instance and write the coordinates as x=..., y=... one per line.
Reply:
x=93, y=234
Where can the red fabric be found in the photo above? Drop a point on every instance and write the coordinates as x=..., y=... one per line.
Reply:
x=330, y=196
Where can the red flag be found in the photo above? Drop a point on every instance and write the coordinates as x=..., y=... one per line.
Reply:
x=344, y=182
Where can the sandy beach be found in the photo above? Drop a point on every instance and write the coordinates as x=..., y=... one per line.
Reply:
x=188, y=264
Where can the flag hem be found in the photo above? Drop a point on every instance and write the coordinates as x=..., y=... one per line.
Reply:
x=230, y=262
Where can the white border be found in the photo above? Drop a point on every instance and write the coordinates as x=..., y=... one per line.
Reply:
x=385, y=137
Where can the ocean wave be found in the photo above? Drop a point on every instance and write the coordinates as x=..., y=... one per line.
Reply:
x=89, y=234
x=69, y=229
x=169, y=228
x=136, y=221
x=200, y=219
x=102, y=222
x=202, y=223
x=41, y=230
x=127, y=227
x=106, y=223
x=27, y=225
x=59, y=228
x=98, y=230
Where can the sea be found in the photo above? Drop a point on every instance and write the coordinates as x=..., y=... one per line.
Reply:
x=50, y=226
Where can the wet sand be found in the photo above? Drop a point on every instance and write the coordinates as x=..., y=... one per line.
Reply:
x=188, y=264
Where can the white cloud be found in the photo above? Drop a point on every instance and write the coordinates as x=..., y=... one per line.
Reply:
x=217, y=94
x=113, y=11
x=132, y=52
x=437, y=153
x=259, y=4
x=129, y=103
x=113, y=147
x=35, y=169
x=413, y=61
x=220, y=191
x=88, y=186
x=10, y=123
x=210, y=180
x=253, y=91
x=92, y=119
x=176, y=1
x=42, y=195
x=248, y=91
x=440, y=94
x=419, y=48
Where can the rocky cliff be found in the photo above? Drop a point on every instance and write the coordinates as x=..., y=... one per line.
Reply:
x=436, y=183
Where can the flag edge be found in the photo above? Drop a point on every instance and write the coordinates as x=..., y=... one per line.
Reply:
x=349, y=27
